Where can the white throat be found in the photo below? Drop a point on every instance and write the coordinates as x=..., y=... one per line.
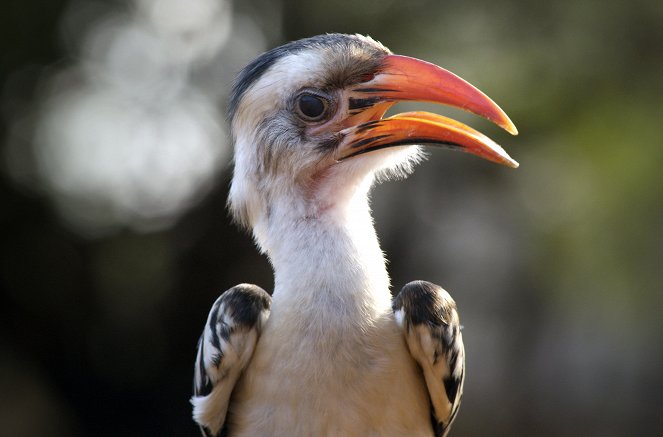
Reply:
x=326, y=253
x=331, y=337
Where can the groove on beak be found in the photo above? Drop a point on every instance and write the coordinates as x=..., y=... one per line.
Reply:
x=421, y=128
x=402, y=78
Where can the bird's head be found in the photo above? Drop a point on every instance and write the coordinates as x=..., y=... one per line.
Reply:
x=309, y=133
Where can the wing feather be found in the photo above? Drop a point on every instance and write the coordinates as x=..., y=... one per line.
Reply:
x=224, y=350
x=431, y=325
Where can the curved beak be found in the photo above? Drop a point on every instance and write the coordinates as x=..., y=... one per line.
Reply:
x=401, y=78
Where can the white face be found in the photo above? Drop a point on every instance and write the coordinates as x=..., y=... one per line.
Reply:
x=287, y=128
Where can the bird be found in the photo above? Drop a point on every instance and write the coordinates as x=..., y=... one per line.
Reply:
x=330, y=351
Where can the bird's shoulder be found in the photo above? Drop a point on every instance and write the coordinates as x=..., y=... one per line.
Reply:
x=429, y=319
x=224, y=349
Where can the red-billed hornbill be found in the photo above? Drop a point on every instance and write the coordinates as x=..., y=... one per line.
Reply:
x=330, y=353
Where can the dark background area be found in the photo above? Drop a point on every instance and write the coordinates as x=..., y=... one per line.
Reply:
x=115, y=240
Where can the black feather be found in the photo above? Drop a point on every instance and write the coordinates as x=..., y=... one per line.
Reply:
x=238, y=309
x=427, y=304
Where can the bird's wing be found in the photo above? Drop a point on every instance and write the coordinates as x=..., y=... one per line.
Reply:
x=428, y=317
x=224, y=349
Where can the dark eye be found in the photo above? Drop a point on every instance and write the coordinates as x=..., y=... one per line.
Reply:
x=311, y=107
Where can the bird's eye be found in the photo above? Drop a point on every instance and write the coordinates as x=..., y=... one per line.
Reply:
x=311, y=107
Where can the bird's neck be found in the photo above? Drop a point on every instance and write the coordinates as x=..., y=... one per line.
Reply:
x=328, y=255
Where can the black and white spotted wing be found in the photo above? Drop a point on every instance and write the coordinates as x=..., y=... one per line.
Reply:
x=224, y=350
x=431, y=326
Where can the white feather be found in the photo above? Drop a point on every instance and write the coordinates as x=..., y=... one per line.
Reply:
x=331, y=359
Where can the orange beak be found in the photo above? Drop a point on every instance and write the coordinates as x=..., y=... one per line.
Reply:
x=401, y=78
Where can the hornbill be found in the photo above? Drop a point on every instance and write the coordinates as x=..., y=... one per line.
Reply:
x=330, y=352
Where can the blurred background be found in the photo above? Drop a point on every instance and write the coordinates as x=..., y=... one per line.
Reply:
x=115, y=241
